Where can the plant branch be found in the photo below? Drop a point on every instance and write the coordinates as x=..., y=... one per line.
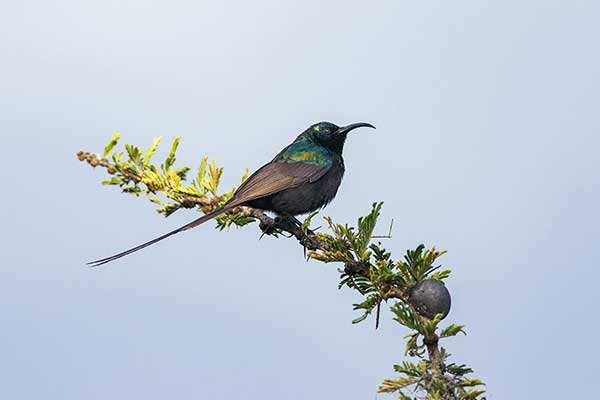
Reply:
x=367, y=267
x=267, y=224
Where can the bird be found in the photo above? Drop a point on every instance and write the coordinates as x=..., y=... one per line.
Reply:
x=301, y=178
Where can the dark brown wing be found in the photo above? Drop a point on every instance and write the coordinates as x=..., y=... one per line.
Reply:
x=275, y=177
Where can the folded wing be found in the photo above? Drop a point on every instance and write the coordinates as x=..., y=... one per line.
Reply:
x=277, y=176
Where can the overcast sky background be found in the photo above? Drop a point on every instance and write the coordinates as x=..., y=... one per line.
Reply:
x=487, y=145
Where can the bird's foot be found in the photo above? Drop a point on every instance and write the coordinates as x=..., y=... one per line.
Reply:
x=298, y=223
x=286, y=223
x=305, y=236
x=269, y=227
x=277, y=226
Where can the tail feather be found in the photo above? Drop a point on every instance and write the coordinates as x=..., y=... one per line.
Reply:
x=185, y=227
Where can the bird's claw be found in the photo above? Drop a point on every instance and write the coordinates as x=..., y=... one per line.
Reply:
x=268, y=228
x=309, y=232
x=298, y=223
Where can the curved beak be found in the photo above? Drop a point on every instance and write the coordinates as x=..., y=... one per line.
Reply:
x=348, y=128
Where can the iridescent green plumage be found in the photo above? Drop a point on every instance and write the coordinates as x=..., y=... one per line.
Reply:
x=306, y=149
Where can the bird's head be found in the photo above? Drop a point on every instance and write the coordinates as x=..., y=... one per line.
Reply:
x=332, y=136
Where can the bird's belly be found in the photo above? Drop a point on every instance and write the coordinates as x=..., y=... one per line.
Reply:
x=304, y=198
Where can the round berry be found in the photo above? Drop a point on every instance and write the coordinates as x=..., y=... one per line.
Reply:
x=430, y=297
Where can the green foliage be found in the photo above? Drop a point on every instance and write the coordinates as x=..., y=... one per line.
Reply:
x=452, y=330
x=111, y=145
x=417, y=379
x=170, y=161
x=307, y=221
x=368, y=268
x=165, y=185
x=366, y=225
x=418, y=263
x=151, y=150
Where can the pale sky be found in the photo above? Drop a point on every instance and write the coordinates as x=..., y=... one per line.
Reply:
x=487, y=146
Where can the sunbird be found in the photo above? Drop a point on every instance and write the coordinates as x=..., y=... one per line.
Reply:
x=303, y=177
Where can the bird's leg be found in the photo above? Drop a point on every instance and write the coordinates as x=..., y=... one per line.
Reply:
x=299, y=224
x=295, y=220
x=289, y=221
x=285, y=223
x=293, y=225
